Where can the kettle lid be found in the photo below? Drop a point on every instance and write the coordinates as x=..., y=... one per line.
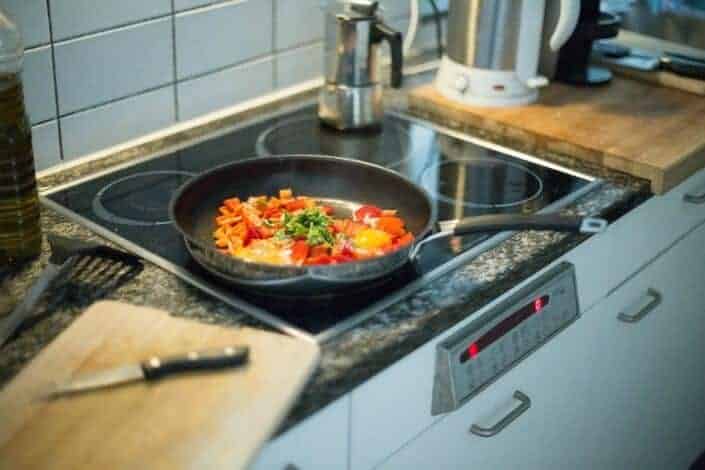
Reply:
x=354, y=9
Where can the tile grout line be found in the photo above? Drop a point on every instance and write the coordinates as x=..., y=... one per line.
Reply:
x=138, y=22
x=177, y=111
x=111, y=29
x=275, y=61
x=249, y=61
x=56, y=83
x=121, y=98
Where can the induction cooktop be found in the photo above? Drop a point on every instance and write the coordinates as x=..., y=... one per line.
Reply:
x=465, y=177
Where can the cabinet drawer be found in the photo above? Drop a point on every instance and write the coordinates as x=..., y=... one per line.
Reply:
x=319, y=442
x=641, y=234
x=604, y=393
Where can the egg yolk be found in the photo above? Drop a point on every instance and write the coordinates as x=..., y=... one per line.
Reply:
x=371, y=239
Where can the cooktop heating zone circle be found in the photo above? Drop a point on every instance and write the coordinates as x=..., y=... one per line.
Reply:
x=482, y=183
x=141, y=199
x=305, y=135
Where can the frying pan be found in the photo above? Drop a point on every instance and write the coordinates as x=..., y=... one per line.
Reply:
x=345, y=185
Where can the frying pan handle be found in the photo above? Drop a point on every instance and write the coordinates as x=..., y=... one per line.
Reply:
x=502, y=222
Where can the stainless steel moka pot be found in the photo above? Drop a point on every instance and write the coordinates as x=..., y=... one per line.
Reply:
x=351, y=97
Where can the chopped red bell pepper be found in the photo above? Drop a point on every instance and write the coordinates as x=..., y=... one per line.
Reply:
x=272, y=213
x=404, y=239
x=299, y=251
x=318, y=250
x=323, y=259
x=392, y=225
x=251, y=234
x=367, y=211
x=295, y=205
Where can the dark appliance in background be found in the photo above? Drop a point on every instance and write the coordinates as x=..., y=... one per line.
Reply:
x=572, y=62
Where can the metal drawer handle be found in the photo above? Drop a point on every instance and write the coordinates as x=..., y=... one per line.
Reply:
x=525, y=404
x=656, y=298
x=695, y=198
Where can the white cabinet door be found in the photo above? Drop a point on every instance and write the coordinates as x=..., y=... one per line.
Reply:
x=320, y=442
x=651, y=228
x=604, y=393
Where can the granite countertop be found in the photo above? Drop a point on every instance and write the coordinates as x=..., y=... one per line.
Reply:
x=362, y=352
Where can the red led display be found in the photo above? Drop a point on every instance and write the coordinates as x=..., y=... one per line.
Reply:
x=538, y=304
x=503, y=327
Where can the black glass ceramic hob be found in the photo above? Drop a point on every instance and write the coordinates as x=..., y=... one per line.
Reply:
x=130, y=205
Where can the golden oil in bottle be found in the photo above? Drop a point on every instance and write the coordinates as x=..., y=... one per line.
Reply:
x=20, y=232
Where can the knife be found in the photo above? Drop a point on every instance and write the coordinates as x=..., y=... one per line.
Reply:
x=678, y=64
x=156, y=368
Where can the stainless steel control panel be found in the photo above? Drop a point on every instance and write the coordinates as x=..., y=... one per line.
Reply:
x=475, y=356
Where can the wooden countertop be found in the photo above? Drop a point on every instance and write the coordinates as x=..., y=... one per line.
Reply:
x=644, y=130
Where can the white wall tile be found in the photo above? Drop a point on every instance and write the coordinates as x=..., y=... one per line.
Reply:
x=45, y=144
x=425, y=7
x=298, y=22
x=426, y=35
x=114, y=123
x=75, y=17
x=222, y=35
x=298, y=65
x=224, y=88
x=31, y=17
x=180, y=5
x=38, y=83
x=95, y=69
x=395, y=8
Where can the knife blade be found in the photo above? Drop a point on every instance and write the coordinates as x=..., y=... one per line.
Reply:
x=156, y=368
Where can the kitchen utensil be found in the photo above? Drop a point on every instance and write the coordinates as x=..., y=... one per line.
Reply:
x=493, y=50
x=351, y=97
x=571, y=63
x=156, y=368
x=6, y=297
x=101, y=267
x=210, y=420
x=344, y=185
x=638, y=59
x=648, y=131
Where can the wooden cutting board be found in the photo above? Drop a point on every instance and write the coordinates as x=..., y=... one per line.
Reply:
x=206, y=421
x=648, y=131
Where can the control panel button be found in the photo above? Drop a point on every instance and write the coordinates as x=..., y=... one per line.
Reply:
x=461, y=83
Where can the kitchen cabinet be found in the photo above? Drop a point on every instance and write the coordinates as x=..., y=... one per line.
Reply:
x=623, y=387
x=318, y=443
x=651, y=228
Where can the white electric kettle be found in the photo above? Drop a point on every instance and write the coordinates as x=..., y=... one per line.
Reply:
x=493, y=50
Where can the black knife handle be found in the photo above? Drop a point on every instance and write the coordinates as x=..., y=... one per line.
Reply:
x=687, y=68
x=232, y=356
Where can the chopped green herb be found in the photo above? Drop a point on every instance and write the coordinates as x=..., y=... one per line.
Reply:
x=311, y=224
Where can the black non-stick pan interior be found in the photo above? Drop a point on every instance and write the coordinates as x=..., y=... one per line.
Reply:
x=196, y=206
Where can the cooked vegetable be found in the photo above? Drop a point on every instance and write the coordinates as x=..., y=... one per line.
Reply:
x=289, y=230
x=311, y=224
